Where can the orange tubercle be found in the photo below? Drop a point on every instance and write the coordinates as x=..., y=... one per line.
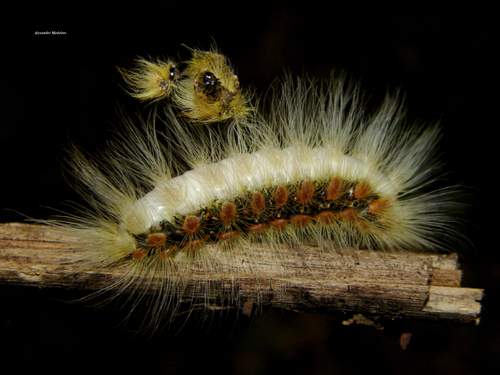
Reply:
x=228, y=212
x=348, y=214
x=156, y=239
x=258, y=202
x=325, y=217
x=301, y=220
x=191, y=225
x=228, y=236
x=361, y=190
x=379, y=206
x=280, y=197
x=334, y=189
x=279, y=224
x=257, y=229
x=306, y=192
x=140, y=253
x=166, y=253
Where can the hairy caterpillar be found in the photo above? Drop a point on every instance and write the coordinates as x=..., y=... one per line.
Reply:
x=312, y=167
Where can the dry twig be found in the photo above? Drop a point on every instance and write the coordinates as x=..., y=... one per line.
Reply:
x=397, y=284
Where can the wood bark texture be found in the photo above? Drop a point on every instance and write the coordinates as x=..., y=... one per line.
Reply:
x=359, y=283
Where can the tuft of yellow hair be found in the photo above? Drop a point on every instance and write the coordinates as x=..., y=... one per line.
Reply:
x=151, y=80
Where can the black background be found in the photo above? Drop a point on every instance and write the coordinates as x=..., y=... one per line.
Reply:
x=60, y=88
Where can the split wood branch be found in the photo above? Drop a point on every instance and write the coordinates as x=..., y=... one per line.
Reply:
x=381, y=284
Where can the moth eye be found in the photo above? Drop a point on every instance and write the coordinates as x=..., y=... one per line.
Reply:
x=173, y=73
x=209, y=85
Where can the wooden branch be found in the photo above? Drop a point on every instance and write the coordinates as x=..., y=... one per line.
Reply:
x=396, y=284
